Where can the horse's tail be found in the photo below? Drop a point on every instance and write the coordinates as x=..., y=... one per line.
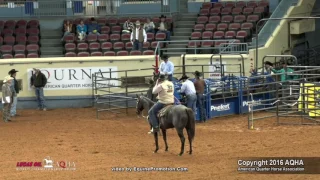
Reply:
x=191, y=125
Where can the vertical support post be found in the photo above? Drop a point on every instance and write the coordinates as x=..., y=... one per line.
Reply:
x=95, y=87
x=92, y=82
x=109, y=89
x=202, y=69
x=277, y=114
x=304, y=106
x=277, y=96
x=126, y=74
x=95, y=84
x=157, y=64
x=184, y=64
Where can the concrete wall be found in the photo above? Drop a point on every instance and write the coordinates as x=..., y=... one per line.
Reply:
x=278, y=42
x=194, y=7
x=313, y=37
x=13, y=12
x=139, y=8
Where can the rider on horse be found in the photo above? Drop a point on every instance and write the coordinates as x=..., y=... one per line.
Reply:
x=165, y=90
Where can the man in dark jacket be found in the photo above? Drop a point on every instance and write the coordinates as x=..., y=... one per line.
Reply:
x=38, y=82
x=15, y=91
x=94, y=27
x=164, y=27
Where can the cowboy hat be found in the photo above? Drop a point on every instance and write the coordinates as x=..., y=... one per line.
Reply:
x=7, y=78
x=197, y=73
x=165, y=57
x=36, y=69
x=12, y=71
x=162, y=77
x=137, y=23
x=268, y=63
x=184, y=77
x=162, y=16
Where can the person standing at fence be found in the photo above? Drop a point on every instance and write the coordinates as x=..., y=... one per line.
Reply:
x=165, y=90
x=269, y=79
x=284, y=77
x=190, y=91
x=200, y=86
x=166, y=67
x=6, y=98
x=138, y=37
x=38, y=82
x=15, y=92
x=285, y=73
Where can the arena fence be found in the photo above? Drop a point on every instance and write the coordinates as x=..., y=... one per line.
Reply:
x=113, y=98
x=288, y=101
x=223, y=87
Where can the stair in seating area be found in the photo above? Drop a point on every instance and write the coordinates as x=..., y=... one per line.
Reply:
x=181, y=32
x=51, y=45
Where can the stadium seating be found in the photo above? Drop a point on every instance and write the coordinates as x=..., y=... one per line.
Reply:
x=111, y=41
x=227, y=20
x=19, y=38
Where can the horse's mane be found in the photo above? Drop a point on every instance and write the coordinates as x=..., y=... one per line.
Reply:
x=147, y=99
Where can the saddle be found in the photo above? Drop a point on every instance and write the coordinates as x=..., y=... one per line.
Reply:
x=164, y=111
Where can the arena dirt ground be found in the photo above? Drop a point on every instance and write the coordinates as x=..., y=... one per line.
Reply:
x=122, y=141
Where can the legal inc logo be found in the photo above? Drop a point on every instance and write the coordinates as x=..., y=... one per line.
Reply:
x=46, y=164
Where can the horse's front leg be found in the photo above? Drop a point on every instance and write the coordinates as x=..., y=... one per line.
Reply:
x=155, y=134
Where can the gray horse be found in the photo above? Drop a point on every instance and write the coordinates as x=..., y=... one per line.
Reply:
x=177, y=116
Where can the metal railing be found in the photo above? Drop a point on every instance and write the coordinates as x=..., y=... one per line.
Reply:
x=233, y=47
x=227, y=46
x=86, y=8
x=270, y=26
x=281, y=98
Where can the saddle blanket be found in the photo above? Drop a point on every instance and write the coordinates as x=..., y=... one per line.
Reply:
x=164, y=111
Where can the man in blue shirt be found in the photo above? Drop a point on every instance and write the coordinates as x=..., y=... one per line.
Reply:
x=166, y=67
x=82, y=30
x=190, y=91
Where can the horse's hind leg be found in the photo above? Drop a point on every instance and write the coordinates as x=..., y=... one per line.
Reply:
x=190, y=140
x=180, y=133
x=156, y=141
x=164, y=134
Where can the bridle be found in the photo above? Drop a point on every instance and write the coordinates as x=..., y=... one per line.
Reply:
x=139, y=110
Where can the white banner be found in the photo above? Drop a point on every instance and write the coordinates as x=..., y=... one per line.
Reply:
x=75, y=78
x=215, y=70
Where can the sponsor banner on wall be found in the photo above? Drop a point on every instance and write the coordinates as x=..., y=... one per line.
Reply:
x=215, y=70
x=75, y=78
x=222, y=109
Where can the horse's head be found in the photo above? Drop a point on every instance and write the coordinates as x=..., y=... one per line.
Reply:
x=139, y=106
